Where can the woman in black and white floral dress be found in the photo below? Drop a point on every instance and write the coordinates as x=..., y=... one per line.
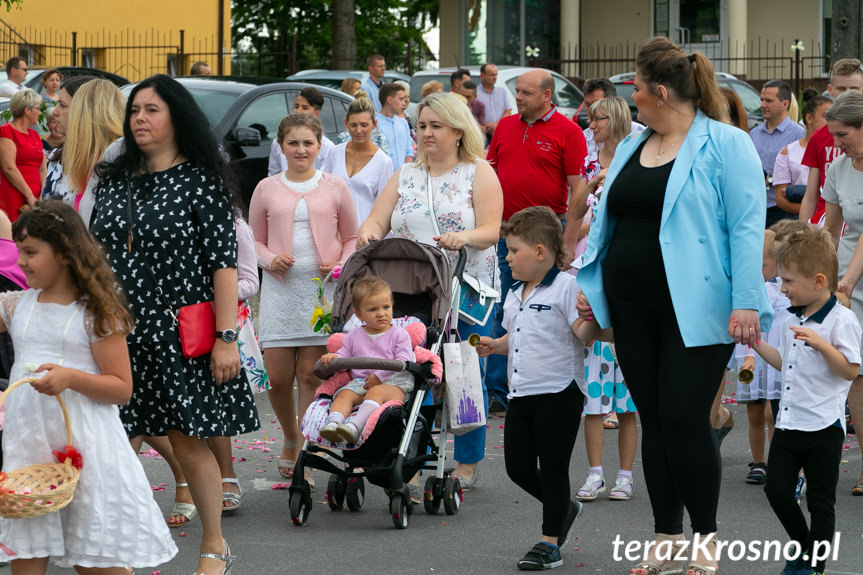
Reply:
x=183, y=229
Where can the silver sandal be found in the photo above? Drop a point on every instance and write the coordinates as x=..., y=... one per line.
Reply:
x=234, y=500
x=226, y=557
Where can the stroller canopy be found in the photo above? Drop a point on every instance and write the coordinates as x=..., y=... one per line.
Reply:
x=419, y=275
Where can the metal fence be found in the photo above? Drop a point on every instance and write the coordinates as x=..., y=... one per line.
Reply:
x=757, y=61
x=139, y=54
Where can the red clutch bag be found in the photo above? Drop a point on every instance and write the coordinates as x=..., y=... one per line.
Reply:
x=197, y=325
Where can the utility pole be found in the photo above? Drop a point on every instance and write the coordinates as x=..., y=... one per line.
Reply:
x=845, y=30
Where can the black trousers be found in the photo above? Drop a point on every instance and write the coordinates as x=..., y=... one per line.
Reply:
x=818, y=454
x=542, y=429
x=673, y=387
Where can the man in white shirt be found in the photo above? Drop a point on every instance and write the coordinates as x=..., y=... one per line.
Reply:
x=16, y=73
x=495, y=99
x=394, y=128
x=819, y=356
x=309, y=101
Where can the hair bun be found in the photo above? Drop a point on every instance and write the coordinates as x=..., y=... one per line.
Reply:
x=808, y=94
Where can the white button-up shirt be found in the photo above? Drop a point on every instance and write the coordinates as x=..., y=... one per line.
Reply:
x=813, y=395
x=544, y=356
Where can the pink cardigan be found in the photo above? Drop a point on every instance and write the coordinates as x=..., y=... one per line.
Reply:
x=332, y=217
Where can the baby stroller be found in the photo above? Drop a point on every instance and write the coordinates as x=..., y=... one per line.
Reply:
x=402, y=441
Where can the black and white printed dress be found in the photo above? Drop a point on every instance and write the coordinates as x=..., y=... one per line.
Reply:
x=186, y=229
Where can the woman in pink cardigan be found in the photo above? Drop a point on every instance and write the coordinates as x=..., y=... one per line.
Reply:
x=305, y=224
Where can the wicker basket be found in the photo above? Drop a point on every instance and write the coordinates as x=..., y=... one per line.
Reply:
x=38, y=489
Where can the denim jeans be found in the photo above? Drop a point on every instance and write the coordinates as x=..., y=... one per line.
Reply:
x=495, y=377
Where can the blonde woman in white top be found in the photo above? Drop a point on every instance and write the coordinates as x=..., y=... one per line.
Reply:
x=468, y=206
x=359, y=162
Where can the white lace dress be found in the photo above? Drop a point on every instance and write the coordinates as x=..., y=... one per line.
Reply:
x=113, y=519
x=289, y=304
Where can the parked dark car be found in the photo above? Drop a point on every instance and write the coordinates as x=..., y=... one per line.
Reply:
x=750, y=97
x=245, y=119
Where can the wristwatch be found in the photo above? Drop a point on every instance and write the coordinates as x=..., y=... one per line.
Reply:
x=227, y=336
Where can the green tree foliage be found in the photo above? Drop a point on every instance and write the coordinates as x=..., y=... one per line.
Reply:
x=267, y=31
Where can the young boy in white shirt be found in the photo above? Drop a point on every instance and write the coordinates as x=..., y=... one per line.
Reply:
x=545, y=364
x=819, y=356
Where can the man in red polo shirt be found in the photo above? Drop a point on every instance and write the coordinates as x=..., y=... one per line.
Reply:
x=537, y=155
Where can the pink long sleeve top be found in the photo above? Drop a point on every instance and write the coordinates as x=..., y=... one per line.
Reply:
x=247, y=261
x=332, y=217
x=395, y=343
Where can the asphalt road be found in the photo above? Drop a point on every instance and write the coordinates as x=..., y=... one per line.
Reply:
x=497, y=523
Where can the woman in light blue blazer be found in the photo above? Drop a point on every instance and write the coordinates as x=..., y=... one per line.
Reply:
x=673, y=259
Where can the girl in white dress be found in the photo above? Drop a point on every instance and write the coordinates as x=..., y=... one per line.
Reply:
x=69, y=328
x=359, y=162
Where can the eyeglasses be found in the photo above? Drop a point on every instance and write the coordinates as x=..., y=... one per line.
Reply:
x=25, y=69
x=599, y=118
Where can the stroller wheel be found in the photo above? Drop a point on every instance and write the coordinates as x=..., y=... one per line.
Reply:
x=399, y=509
x=356, y=493
x=301, y=506
x=336, y=491
x=452, y=495
x=432, y=495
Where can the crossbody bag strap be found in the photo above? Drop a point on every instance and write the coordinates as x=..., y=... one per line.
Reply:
x=431, y=202
x=130, y=217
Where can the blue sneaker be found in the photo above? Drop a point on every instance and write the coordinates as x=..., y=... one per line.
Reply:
x=798, y=566
x=542, y=556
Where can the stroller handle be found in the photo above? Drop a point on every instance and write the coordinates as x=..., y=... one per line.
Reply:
x=343, y=364
x=460, y=263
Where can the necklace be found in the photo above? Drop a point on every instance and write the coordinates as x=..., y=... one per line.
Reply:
x=671, y=145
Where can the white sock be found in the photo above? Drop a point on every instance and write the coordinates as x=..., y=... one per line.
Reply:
x=336, y=417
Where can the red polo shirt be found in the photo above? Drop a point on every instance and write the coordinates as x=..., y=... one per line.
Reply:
x=820, y=153
x=532, y=161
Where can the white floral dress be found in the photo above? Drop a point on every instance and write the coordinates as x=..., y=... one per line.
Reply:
x=453, y=205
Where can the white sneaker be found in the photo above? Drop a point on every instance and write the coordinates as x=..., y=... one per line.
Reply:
x=330, y=432
x=349, y=432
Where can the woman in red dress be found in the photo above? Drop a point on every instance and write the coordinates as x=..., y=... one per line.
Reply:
x=21, y=157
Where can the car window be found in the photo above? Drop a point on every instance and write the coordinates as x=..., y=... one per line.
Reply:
x=750, y=97
x=565, y=95
x=417, y=83
x=264, y=115
x=625, y=91
x=214, y=104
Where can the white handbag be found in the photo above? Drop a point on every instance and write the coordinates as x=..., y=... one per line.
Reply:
x=464, y=397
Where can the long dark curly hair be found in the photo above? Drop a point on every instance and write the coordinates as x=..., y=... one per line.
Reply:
x=193, y=136
x=60, y=226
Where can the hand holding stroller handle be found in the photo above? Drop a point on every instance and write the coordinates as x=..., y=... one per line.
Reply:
x=346, y=363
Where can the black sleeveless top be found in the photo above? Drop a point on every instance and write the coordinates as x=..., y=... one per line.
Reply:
x=634, y=267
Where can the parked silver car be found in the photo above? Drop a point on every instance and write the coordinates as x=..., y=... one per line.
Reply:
x=566, y=96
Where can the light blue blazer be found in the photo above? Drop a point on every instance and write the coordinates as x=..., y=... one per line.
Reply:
x=711, y=233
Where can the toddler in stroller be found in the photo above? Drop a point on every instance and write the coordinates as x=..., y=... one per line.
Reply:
x=372, y=299
x=397, y=440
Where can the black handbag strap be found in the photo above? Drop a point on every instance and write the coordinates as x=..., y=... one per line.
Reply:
x=130, y=222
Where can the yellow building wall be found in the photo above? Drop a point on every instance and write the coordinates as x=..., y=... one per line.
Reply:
x=768, y=35
x=606, y=29
x=135, y=39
